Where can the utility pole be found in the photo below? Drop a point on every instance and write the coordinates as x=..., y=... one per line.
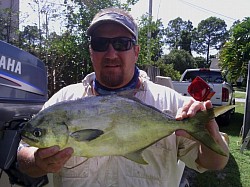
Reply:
x=246, y=120
x=149, y=31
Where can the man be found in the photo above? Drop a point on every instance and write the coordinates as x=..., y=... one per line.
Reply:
x=114, y=52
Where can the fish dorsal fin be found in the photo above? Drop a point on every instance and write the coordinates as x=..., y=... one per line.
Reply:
x=86, y=134
x=130, y=94
x=136, y=157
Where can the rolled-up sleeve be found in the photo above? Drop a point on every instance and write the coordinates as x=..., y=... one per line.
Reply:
x=188, y=153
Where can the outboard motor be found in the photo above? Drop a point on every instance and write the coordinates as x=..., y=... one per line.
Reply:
x=23, y=91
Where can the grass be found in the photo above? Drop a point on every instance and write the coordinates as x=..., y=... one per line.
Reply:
x=241, y=89
x=239, y=94
x=237, y=171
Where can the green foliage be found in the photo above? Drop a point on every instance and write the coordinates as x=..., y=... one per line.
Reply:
x=29, y=40
x=8, y=24
x=168, y=70
x=210, y=34
x=65, y=62
x=185, y=41
x=200, y=62
x=180, y=59
x=2, y=25
x=238, y=94
x=178, y=34
x=150, y=50
x=235, y=54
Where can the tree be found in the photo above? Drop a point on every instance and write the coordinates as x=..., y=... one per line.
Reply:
x=168, y=70
x=200, y=62
x=178, y=34
x=180, y=59
x=156, y=41
x=8, y=24
x=235, y=54
x=29, y=39
x=185, y=41
x=210, y=34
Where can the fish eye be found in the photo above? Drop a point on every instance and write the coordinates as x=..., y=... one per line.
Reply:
x=37, y=132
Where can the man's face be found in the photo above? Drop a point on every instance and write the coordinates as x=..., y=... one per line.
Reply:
x=113, y=68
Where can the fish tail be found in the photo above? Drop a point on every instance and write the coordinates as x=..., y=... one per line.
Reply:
x=200, y=133
x=205, y=116
x=222, y=109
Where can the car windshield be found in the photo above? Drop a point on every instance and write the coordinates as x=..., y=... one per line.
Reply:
x=208, y=76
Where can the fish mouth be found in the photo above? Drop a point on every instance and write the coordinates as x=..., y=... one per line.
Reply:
x=29, y=138
x=26, y=131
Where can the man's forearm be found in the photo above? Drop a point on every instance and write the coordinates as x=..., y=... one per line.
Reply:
x=211, y=160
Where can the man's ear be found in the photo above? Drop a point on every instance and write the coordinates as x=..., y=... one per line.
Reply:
x=90, y=52
x=137, y=51
x=90, y=49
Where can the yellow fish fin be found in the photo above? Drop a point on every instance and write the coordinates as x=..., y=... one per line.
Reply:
x=136, y=157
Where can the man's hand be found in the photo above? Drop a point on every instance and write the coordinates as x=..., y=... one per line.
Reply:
x=38, y=162
x=51, y=160
x=189, y=110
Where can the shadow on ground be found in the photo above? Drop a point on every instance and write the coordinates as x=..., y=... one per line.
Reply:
x=229, y=176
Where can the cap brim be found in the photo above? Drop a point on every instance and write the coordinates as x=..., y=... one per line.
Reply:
x=112, y=18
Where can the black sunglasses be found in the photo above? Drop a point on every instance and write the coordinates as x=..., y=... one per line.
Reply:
x=101, y=44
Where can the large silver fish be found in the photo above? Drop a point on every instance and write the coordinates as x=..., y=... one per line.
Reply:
x=112, y=125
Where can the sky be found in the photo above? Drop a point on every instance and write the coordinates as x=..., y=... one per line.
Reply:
x=29, y=14
x=194, y=10
x=166, y=10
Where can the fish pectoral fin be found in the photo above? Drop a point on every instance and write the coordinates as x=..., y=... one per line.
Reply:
x=86, y=134
x=136, y=157
x=206, y=139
